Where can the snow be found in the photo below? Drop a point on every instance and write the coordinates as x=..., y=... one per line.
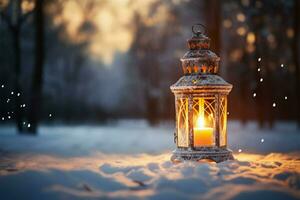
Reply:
x=130, y=160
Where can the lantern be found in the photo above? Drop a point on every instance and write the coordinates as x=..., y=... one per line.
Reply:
x=201, y=104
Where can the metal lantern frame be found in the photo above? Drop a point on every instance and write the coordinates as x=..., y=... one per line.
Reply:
x=201, y=92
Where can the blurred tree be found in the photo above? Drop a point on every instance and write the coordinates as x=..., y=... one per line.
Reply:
x=296, y=53
x=143, y=54
x=13, y=16
x=148, y=53
x=213, y=22
x=262, y=96
x=263, y=79
x=37, y=81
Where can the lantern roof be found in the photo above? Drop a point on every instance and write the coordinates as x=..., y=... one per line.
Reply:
x=200, y=67
x=203, y=82
x=199, y=59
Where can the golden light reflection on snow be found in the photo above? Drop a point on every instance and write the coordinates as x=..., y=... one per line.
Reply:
x=146, y=175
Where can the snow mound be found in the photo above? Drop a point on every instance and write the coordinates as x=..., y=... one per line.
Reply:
x=144, y=176
x=131, y=160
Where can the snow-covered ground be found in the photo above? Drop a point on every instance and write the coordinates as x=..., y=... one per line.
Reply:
x=130, y=160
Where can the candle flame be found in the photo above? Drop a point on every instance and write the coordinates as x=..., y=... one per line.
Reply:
x=200, y=122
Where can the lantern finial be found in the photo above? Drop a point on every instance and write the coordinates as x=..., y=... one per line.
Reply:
x=198, y=29
x=199, y=59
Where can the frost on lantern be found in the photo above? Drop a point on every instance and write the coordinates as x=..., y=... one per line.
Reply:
x=201, y=105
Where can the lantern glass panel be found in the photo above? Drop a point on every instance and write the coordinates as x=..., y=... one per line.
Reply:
x=223, y=121
x=182, y=122
x=204, y=116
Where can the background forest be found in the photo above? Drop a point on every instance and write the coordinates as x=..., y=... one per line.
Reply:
x=93, y=61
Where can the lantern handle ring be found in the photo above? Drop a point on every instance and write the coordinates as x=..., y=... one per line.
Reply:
x=198, y=29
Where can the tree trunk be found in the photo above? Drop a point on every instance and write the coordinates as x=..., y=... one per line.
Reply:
x=17, y=64
x=257, y=23
x=212, y=20
x=37, y=82
x=296, y=52
x=17, y=85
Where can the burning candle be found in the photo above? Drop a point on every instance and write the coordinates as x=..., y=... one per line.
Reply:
x=203, y=136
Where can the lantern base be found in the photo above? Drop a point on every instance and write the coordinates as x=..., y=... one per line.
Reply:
x=214, y=154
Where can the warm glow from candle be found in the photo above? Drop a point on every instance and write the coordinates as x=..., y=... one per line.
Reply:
x=200, y=122
x=203, y=136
